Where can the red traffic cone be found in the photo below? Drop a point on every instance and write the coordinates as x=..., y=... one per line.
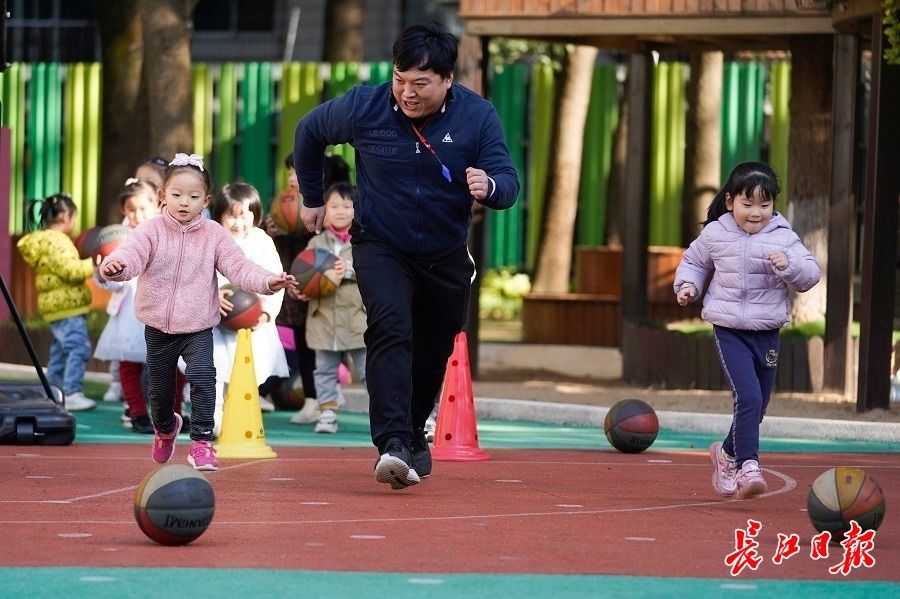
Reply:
x=456, y=436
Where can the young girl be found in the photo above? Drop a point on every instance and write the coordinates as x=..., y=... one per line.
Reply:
x=237, y=208
x=755, y=260
x=63, y=297
x=335, y=324
x=122, y=339
x=177, y=254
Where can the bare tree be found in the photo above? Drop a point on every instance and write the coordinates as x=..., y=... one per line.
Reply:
x=809, y=160
x=703, y=143
x=344, y=30
x=555, y=256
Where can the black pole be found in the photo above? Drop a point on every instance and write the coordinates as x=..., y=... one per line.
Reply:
x=26, y=339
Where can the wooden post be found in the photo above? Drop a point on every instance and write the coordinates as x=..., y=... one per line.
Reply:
x=636, y=201
x=841, y=216
x=879, y=250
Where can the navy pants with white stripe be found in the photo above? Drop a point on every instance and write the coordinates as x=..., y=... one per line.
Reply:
x=749, y=361
x=163, y=351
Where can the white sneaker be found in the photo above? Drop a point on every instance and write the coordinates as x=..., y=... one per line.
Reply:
x=327, y=422
x=309, y=413
x=265, y=405
x=113, y=392
x=76, y=402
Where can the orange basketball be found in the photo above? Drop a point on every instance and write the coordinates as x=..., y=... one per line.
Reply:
x=285, y=211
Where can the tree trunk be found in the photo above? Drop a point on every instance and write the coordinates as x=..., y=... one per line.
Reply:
x=703, y=140
x=344, y=30
x=167, y=74
x=809, y=160
x=125, y=127
x=555, y=256
x=615, y=219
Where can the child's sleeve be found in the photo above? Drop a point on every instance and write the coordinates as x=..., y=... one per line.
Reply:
x=696, y=264
x=237, y=268
x=802, y=272
x=134, y=254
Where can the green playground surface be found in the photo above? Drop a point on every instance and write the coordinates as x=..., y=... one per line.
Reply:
x=134, y=582
x=104, y=425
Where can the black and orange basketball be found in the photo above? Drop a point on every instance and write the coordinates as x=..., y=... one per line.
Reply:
x=631, y=426
x=314, y=270
x=843, y=494
x=285, y=211
x=101, y=241
x=174, y=504
x=289, y=395
x=246, y=311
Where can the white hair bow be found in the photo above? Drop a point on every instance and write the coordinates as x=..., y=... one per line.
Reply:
x=185, y=160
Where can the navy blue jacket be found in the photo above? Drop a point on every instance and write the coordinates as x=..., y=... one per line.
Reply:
x=403, y=198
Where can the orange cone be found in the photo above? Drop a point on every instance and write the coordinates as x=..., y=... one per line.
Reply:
x=456, y=436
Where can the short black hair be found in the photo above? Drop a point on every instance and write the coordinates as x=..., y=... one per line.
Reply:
x=289, y=161
x=745, y=179
x=235, y=194
x=335, y=170
x=426, y=47
x=343, y=189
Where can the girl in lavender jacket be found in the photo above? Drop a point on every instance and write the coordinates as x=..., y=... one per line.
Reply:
x=177, y=255
x=755, y=260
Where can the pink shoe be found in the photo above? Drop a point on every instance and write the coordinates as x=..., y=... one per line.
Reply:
x=724, y=478
x=750, y=481
x=202, y=456
x=164, y=444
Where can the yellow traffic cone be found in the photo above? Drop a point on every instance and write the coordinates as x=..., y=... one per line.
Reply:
x=243, y=435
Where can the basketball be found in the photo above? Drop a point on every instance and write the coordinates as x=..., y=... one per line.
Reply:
x=843, y=494
x=289, y=395
x=174, y=504
x=101, y=241
x=285, y=211
x=631, y=426
x=314, y=270
x=246, y=311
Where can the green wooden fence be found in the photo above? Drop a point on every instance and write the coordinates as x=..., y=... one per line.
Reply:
x=667, y=153
x=541, y=117
x=743, y=95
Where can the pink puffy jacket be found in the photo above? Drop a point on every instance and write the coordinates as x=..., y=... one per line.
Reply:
x=178, y=290
x=746, y=291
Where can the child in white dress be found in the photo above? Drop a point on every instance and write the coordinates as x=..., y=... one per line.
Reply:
x=237, y=207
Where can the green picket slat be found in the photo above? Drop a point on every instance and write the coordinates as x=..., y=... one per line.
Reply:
x=225, y=126
x=780, y=91
x=70, y=148
x=542, y=111
x=92, y=141
x=255, y=120
x=75, y=129
x=658, y=149
x=674, y=156
x=201, y=81
x=730, y=121
x=36, y=137
x=13, y=98
x=54, y=129
x=300, y=92
x=380, y=72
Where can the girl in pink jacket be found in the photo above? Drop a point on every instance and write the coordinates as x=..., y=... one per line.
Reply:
x=755, y=260
x=177, y=255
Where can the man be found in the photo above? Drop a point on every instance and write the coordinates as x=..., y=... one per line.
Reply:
x=425, y=148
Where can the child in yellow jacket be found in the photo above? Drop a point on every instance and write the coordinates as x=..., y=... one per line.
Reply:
x=63, y=297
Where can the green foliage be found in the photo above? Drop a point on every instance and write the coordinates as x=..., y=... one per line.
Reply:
x=892, y=32
x=501, y=294
x=505, y=51
x=804, y=330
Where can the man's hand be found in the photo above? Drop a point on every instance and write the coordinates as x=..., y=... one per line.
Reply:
x=479, y=184
x=779, y=260
x=112, y=268
x=224, y=305
x=313, y=218
x=282, y=281
x=686, y=294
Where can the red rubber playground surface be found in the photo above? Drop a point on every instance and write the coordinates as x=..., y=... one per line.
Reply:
x=546, y=511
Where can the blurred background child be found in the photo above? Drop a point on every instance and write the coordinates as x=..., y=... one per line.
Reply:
x=152, y=170
x=63, y=297
x=237, y=207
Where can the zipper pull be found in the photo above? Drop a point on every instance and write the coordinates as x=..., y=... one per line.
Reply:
x=417, y=148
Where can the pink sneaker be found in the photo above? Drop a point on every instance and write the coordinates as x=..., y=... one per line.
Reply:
x=202, y=456
x=164, y=444
x=750, y=481
x=724, y=478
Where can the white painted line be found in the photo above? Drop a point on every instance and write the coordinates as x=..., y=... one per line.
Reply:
x=110, y=549
x=27, y=455
x=738, y=586
x=568, y=505
x=97, y=579
x=507, y=480
x=433, y=581
x=36, y=477
x=314, y=503
x=74, y=535
x=281, y=478
x=314, y=544
x=640, y=538
x=367, y=537
x=659, y=461
x=510, y=558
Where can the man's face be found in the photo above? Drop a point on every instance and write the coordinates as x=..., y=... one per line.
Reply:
x=420, y=93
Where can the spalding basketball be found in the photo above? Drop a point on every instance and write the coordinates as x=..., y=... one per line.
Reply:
x=86, y=238
x=844, y=494
x=289, y=395
x=174, y=504
x=631, y=426
x=246, y=311
x=102, y=241
x=314, y=270
x=285, y=211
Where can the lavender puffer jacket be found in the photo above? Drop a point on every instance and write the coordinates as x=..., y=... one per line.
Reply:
x=746, y=291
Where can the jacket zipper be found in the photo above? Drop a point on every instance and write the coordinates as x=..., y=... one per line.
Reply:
x=744, y=281
x=177, y=272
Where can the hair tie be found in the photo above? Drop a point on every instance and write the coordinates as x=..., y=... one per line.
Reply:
x=187, y=160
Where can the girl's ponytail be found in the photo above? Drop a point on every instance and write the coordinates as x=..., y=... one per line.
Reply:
x=52, y=207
